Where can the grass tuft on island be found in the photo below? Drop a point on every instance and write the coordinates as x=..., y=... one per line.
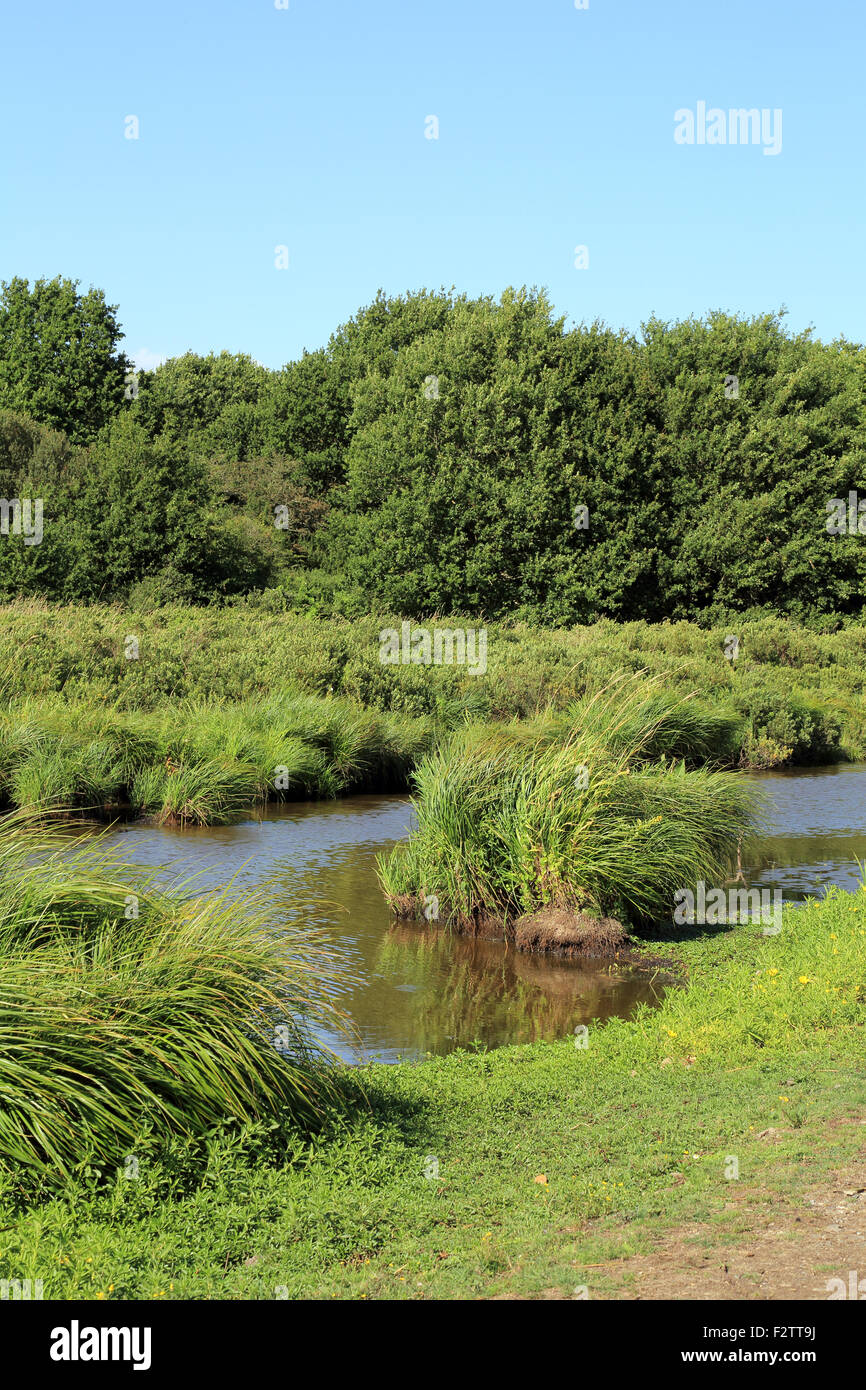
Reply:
x=594, y=812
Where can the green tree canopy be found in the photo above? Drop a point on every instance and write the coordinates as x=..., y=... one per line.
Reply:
x=444, y=454
x=59, y=358
x=146, y=513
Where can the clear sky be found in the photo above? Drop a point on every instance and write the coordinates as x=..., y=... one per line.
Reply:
x=305, y=127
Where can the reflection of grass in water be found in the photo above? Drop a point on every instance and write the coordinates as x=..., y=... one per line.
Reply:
x=793, y=851
x=455, y=1000
x=462, y=996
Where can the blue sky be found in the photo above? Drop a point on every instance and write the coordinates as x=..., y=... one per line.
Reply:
x=305, y=127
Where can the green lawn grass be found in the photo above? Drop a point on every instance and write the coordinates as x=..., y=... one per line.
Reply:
x=510, y=1171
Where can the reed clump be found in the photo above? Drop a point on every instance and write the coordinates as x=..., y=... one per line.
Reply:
x=595, y=811
x=129, y=1008
x=199, y=762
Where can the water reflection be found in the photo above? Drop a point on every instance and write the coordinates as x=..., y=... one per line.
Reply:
x=423, y=990
x=817, y=830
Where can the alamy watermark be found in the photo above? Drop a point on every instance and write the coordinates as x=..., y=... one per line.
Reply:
x=77, y=1343
x=26, y=514
x=847, y=515
x=445, y=647
x=737, y=126
x=18, y=1290
x=856, y=1287
x=715, y=907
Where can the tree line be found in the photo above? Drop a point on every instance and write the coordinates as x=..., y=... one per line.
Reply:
x=440, y=454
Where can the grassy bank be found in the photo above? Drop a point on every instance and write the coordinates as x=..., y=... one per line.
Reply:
x=199, y=763
x=520, y=1171
x=192, y=716
x=800, y=694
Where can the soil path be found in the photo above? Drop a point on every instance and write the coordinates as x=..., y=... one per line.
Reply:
x=794, y=1248
x=782, y=1246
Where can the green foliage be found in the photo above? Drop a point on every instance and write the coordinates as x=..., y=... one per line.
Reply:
x=586, y=813
x=632, y=1133
x=799, y=689
x=125, y=1008
x=435, y=456
x=143, y=515
x=39, y=464
x=58, y=356
x=203, y=403
x=462, y=496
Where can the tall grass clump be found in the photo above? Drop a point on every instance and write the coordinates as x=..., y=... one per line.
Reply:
x=633, y=715
x=199, y=762
x=127, y=1007
x=582, y=814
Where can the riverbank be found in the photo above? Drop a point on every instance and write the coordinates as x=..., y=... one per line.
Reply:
x=193, y=716
x=536, y=1171
x=800, y=695
x=199, y=764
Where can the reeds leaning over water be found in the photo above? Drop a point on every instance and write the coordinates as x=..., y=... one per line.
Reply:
x=127, y=1008
x=198, y=763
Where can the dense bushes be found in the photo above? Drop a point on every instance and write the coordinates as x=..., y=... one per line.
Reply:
x=446, y=454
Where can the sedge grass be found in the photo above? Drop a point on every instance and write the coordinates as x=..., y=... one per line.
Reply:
x=579, y=813
x=125, y=1006
x=199, y=763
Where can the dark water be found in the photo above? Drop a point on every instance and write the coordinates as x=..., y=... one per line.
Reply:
x=423, y=990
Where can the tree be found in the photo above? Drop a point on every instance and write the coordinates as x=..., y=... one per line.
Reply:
x=462, y=469
x=206, y=404
x=146, y=513
x=59, y=361
x=38, y=480
x=477, y=428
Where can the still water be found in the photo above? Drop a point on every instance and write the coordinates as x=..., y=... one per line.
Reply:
x=421, y=990
x=817, y=830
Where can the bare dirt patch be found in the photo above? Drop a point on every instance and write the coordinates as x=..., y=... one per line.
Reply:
x=786, y=1247
x=569, y=933
x=793, y=1247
